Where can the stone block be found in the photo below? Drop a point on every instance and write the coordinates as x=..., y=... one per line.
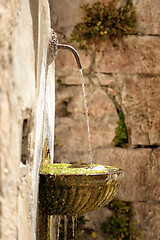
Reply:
x=64, y=93
x=100, y=104
x=72, y=133
x=147, y=216
x=148, y=21
x=75, y=105
x=135, y=54
x=18, y=97
x=65, y=15
x=24, y=198
x=98, y=101
x=140, y=98
x=74, y=80
x=141, y=167
x=71, y=78
x=66, y=61
x=102, y=112
x=104, y=79
x=71, y=140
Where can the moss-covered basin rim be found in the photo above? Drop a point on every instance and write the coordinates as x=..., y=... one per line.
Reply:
x=94, y=178
x=72, y=194
x=78, y=169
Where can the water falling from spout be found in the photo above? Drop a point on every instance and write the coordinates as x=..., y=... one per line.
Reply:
x=58, y=226
x=50, y=109
x=64, y=46
x=87, y=118
x=65, y=227
x=74, y=227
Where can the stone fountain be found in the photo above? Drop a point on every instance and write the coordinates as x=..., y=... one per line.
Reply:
x=71, y=189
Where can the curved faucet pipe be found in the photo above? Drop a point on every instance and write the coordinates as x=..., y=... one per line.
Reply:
x=65, y=46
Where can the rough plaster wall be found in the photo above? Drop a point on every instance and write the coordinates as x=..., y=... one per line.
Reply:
x=19, y=89
x=45, y=101
x=17, y=77
x=128, y=76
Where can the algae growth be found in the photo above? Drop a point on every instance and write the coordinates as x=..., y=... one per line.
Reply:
x=73, y=169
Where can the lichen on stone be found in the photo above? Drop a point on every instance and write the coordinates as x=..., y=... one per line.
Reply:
x=67, y=169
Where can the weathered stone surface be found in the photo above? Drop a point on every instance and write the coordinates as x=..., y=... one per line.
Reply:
x=73, y=136
x=103, y=119
x=18, y=98
x=141, y=167
x=129, y=74
x=68, y=77
x=98, y=103
x=147, y=15
x=64, y=93
x=74, y=80
x=11, y=114
x=71, y=141
x=146, y=219
x=65, y=15
x=75, y=105
x=133, y=55
x=96, y=218
x=104, y=79
x=66, y=60
x=147, y=12
x=23, y=204
x=147, y=216
x=140, y=99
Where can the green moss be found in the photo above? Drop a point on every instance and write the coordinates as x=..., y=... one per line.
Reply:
x=104, y=21
x=66, y=168
x=59, y=81
x=69, y=189
x=121, y=138
x=119, y=225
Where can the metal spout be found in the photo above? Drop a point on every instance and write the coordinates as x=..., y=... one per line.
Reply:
x=64, y=46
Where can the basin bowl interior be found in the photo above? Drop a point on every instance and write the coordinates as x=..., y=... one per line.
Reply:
x=71, y=189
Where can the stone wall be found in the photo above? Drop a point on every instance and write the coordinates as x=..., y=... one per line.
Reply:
x=20, y=74
x=126, y=78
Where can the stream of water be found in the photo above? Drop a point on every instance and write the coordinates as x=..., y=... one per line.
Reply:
x=45, y=130
x=58, y=226
x=74, y=218
x=65, y=227
x=39, y=136
x=65, y=218
x=73, y=227
x=87, y=118
x=64, y=221
x=50, y=109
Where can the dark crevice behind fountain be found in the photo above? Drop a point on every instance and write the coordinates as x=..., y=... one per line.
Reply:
x=25, y=142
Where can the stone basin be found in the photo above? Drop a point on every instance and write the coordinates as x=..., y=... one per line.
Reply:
x=71, y=189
